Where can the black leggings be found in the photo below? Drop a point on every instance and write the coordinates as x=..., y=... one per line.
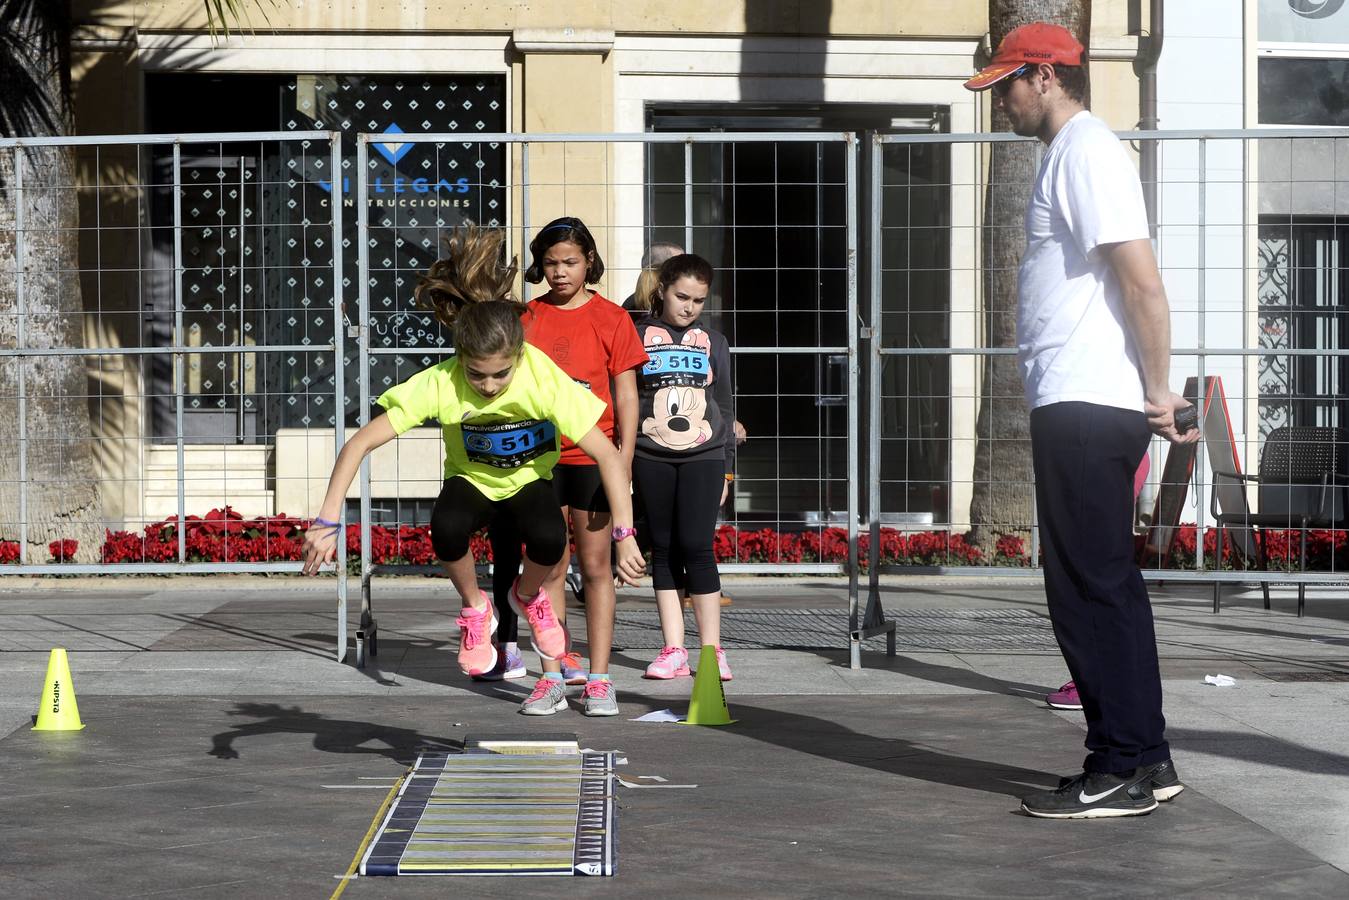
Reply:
x=681, y=501
x=462, y=509
x=577, y=487
x=506, y=556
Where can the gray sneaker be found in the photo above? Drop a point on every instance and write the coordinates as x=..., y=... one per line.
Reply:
x=548, y=697
x=599, y=699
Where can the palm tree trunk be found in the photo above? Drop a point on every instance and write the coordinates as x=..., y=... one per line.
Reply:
x=1003, y=480
x=60, y=486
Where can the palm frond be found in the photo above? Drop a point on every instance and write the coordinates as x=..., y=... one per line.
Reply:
x=220, y=13
x=34, y=66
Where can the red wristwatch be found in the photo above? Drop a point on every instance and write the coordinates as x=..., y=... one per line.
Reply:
x=622, y=532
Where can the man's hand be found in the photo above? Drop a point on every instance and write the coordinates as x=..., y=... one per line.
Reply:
x=1162, y=419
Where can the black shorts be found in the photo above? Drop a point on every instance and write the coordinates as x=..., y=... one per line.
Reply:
x=580, y=487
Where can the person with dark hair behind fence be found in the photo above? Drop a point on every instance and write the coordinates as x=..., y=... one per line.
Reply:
x=685, y=457
x=594, y=342
x=500, y=404
x=1094, y=345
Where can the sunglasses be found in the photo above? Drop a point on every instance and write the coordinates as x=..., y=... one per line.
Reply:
x=1003, y=85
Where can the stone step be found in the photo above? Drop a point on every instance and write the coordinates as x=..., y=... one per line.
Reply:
x=207, y=487
x=248, y=504
x=229, y=458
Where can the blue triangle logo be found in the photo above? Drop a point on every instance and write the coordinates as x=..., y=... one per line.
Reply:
x=394, y=151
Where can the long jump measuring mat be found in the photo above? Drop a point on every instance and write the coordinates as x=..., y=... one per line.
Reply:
x=505, y=806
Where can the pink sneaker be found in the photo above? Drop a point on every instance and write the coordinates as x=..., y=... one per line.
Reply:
x=1065, y=698
x=671, y=662
x=477, y=654
x=573, y=668
x=549, y=635
x=723, y=669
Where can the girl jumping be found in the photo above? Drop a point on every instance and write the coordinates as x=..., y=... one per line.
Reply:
x=500, y=404
x=685, y=456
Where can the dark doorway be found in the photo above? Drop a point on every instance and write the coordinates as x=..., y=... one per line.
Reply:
x=772, y=218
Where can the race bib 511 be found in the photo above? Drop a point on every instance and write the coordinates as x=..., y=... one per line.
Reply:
x=509, y=445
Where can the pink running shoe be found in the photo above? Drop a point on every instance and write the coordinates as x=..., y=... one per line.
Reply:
x=573, y=669
x=549, y=635
x=671, y=662
x=477, y=654
x=1065, y=698
x=723, y=669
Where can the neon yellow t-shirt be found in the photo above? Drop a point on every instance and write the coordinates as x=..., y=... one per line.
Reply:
x=501, y=444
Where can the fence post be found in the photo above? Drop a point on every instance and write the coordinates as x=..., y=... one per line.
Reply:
x=864, y=623
x=688, y=196
x=524, y=217
x=363, y=412
x=876, y=362
x=854, y=385
x=20, y=343
x=179, y=341
x=336, y=203
x=1200, y=492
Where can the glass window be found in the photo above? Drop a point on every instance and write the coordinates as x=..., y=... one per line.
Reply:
x=1303, y=91
x=1304, y=266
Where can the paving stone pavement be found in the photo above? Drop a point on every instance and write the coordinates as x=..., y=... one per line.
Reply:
x=228, y=754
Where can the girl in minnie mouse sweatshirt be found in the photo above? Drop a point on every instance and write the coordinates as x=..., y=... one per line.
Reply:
x=685, y=456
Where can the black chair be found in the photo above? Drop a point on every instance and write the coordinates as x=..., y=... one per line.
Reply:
x=1303, y=483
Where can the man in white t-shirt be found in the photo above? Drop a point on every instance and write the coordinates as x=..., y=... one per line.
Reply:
x=1094, y=344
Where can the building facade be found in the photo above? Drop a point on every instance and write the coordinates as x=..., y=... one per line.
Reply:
x=766, y=215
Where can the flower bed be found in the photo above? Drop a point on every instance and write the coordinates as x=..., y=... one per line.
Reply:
x=1327, y=550
x=223, y=535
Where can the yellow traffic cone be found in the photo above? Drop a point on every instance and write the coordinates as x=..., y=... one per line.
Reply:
x=57, y=710
x=707, y=706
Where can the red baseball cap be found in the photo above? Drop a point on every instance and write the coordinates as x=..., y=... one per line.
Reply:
x=1038, y=42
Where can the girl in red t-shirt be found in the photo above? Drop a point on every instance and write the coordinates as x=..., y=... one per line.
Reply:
x=593, y=340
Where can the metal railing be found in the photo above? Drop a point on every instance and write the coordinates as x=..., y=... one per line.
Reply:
x=556, y=175
x=825, y=245
x=119, y=303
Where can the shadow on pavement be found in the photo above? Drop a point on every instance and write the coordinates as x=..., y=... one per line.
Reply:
x=894, y=756
x=330, y=735
x=1264, y=749
x=955, y=676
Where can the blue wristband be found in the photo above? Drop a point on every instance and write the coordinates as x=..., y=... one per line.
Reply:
x=321, y=521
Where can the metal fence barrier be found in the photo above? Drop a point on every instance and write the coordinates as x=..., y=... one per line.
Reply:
x=167, y=301
x=206, y=315
x=740, y=200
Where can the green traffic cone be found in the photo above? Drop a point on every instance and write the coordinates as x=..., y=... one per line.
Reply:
x=707, y=706
x=57, y=710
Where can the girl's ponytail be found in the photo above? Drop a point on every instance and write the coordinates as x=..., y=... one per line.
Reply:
x=470, y=272
x=648, y=280
x=643, y=296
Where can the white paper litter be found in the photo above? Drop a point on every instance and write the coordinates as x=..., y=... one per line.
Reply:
x=1220, y=680
x=633, y=784
x=660, y=715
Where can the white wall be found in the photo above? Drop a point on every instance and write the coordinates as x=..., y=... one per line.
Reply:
x=1201, y=86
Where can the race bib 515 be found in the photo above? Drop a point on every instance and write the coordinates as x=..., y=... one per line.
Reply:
x=672, y=364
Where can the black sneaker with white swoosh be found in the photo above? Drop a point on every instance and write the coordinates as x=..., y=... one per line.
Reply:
x=1095, y=795
x=1165, y=782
